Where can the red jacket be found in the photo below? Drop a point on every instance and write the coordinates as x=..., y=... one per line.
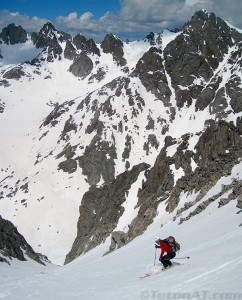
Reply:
x=164, y=248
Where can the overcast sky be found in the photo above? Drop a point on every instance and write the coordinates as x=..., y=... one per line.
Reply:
x=126, y=18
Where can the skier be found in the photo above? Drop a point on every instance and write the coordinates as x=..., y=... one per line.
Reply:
x=165, y=248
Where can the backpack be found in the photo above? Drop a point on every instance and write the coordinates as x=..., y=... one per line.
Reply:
x=170, y=240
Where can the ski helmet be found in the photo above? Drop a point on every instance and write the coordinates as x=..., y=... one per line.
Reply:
x=157, y=239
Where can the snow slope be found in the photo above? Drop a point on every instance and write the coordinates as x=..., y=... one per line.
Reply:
x=212, y=239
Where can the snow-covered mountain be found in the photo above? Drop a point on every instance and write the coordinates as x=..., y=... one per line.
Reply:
x=97, y=140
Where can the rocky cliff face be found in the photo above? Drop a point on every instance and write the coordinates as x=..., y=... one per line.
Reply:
x=82, y=66
x=114, y=45
x=102, y=206
x=167, y=126
x=13, y=34
x=50, y=39
x=14, y=245
x=195, y=54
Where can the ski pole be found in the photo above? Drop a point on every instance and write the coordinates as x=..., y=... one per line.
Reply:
x=187, y=257
x=155, y=256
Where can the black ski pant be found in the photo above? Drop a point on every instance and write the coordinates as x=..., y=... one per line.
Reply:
x=165, y=260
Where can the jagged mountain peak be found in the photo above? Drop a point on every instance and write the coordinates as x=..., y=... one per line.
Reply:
x=48, y=35
x=13, y=34
x=114, y=45
x=47, y=28
x=111, y=36
x=50, y=39
x=203, y=15
x=207, y=26
x=86, y=45
x=203, y=45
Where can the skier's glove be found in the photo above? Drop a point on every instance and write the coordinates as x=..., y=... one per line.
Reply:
x=156, y=246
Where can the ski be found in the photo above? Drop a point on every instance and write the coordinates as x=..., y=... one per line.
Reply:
x=149, y=274
x=146, y=275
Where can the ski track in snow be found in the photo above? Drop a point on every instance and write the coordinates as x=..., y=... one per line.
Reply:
x=220, y=268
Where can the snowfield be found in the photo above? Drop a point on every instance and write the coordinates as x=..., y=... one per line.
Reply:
x=212, y=239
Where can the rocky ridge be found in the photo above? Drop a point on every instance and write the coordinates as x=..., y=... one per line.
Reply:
x=14, y=245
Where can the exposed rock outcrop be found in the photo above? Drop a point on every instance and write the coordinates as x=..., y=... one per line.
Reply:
x=150, y=38
x=82, y=66
x=2, y=106
x=49, y=38
x=48, y=35
x=14, y=73
x=114, y=45
x=234, y=191
x=150, y=70
x=13, y=34
x=217, y=151
x=118, y=240
x=14, y=245
x=69, y=165
x=70, y=51
x=103, y=207
x=195, y=55
x=59, y=109
x=88, y=46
